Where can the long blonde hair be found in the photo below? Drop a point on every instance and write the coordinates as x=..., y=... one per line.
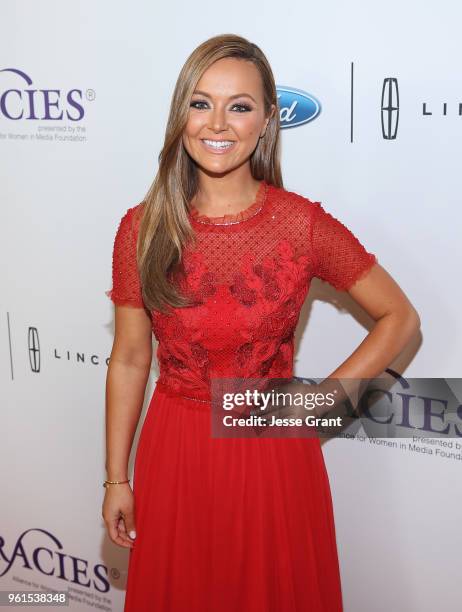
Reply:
x=165, y=227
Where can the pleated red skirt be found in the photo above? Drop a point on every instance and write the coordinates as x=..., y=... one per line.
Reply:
x=231, y=524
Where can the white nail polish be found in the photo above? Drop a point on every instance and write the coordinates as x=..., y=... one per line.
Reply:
x=132, y=534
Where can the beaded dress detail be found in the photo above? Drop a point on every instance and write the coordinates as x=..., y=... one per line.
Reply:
x=248, y=276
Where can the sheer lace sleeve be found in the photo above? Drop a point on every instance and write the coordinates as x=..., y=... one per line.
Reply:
x=126, y=287
x=340, y=258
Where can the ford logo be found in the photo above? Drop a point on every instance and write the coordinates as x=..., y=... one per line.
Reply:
x=296, y=107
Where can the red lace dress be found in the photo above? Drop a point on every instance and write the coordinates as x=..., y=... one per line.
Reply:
x=234, y=524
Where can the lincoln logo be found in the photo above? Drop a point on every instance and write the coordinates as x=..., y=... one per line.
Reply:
x=390, y=108
x=34, y=349
x=19, y=102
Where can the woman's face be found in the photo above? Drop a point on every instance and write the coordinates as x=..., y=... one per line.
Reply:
x=226, y=116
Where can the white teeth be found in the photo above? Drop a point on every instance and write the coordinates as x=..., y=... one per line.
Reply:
x=219, y=144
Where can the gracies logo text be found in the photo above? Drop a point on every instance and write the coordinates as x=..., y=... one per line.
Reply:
x=21, y=99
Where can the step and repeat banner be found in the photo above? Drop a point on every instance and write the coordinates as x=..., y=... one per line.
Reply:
x=371, y=115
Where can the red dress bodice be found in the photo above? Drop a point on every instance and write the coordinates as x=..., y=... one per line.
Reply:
x=248, y=275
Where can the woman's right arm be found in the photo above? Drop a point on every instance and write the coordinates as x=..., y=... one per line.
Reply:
x=127, y=376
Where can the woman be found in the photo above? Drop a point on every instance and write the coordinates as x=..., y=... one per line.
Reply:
x=217, y=261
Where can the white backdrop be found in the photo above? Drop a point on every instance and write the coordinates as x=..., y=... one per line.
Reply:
x=65, y=183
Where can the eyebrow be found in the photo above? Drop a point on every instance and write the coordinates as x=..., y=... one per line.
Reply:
x=240, y=95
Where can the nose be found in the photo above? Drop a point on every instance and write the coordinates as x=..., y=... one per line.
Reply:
x=218, y=121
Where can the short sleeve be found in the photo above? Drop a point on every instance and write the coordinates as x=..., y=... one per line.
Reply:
x=340, y=258
x=126, y=286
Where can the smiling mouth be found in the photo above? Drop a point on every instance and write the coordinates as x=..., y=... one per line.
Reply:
x=218, y=145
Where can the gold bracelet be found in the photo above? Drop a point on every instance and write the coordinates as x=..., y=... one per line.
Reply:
x=106, y=482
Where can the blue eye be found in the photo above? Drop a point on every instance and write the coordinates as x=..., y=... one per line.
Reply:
x=244, y=107
x=193, y=104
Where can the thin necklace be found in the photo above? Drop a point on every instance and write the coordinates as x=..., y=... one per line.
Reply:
x=263, y=200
